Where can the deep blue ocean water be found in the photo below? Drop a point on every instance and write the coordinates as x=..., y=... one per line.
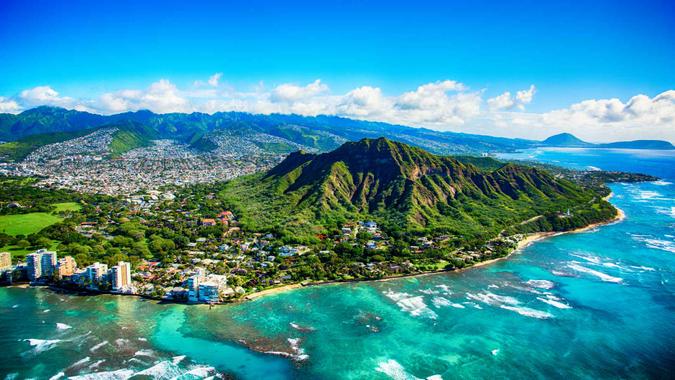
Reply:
x=597, y=304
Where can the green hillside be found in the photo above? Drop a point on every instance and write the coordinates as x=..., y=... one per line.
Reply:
x=129, y=137
x=407, y=190
x=18, y=150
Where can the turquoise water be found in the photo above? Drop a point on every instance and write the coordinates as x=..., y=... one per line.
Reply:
x=598, y=304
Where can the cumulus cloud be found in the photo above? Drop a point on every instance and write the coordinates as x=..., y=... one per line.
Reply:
x=639, y=109
x=214, y=79
x=363, y=102
x=598, y=120
x=161, y=96
x=45, y=95
x=440, y=103
x=506, y=101
x=288, y=92
x=9, y=106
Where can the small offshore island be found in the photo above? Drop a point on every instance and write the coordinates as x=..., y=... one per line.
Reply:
x=369, y=210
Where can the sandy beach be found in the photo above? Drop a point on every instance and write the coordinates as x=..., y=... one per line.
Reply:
x=267, y=292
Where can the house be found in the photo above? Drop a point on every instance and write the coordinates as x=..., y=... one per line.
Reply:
x=287, y=251
x=208, y=222
x=370, y=225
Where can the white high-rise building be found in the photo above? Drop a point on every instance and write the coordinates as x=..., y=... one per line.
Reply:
x=41, y=264
x=96, y=272
x=48, y=261
x=34, y=266
x=193, y=283
x=120, y=276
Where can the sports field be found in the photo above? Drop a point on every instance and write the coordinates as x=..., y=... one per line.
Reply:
x=26, y=224
x=67, y=206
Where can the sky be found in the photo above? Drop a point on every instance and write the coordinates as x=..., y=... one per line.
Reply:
x=603, y=70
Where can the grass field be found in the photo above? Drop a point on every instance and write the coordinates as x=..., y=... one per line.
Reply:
x=26, y=224
x=67, y=206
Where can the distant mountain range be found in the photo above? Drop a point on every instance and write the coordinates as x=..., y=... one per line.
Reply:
x=406, y=188
x=275, y=133
x=570, y=141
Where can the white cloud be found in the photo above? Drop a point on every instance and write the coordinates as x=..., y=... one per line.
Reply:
x=363, y=102
x=9, y=106
x=506, y=101
x=597, y=120
x=214, y=79
x=524, y=97
x=288, y=92
x=501, y=102
x=161, y=97
x=44, y=95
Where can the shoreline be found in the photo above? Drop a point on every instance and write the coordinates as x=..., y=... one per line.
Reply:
x=522, y=244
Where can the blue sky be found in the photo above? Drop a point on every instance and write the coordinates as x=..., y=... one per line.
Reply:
x=571, y=51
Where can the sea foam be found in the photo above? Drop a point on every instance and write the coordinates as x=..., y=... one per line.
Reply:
x=299, y=352
x=162, y=370
x=493, y=299
x=413, y=305
x=554, y=301
x=526, y=311
x=107, y=375
x=541, y=284
x=602, y=276
x=58, y=376
x=654, y=243
x=80, y=362
x=508, y=303
x=439, y=302
x=96, y=347
x=395, y=370
x=147, y=353
x=41, y=345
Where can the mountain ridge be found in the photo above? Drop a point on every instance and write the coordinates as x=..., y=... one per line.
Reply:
x=321, y=133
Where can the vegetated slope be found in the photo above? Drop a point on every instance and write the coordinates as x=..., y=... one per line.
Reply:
x=127, y=136
x=44, y=119
x=565, y=140
x=130, y=136
x=639, y=144
x=18, y=150
x=571, y=141
x=407, y=190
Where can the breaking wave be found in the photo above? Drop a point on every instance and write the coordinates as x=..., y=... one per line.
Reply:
x=654, y=243
x=414, y=305
x=160, y=370
x=554, y=301
x=526, y=311
x=395, y=370
x=299, y=352
x=602, y=276
x=41, y=345
x=508, y=303
x=96, y=347
x=541, y=284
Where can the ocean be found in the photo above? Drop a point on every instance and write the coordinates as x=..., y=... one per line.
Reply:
x=597, y=304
